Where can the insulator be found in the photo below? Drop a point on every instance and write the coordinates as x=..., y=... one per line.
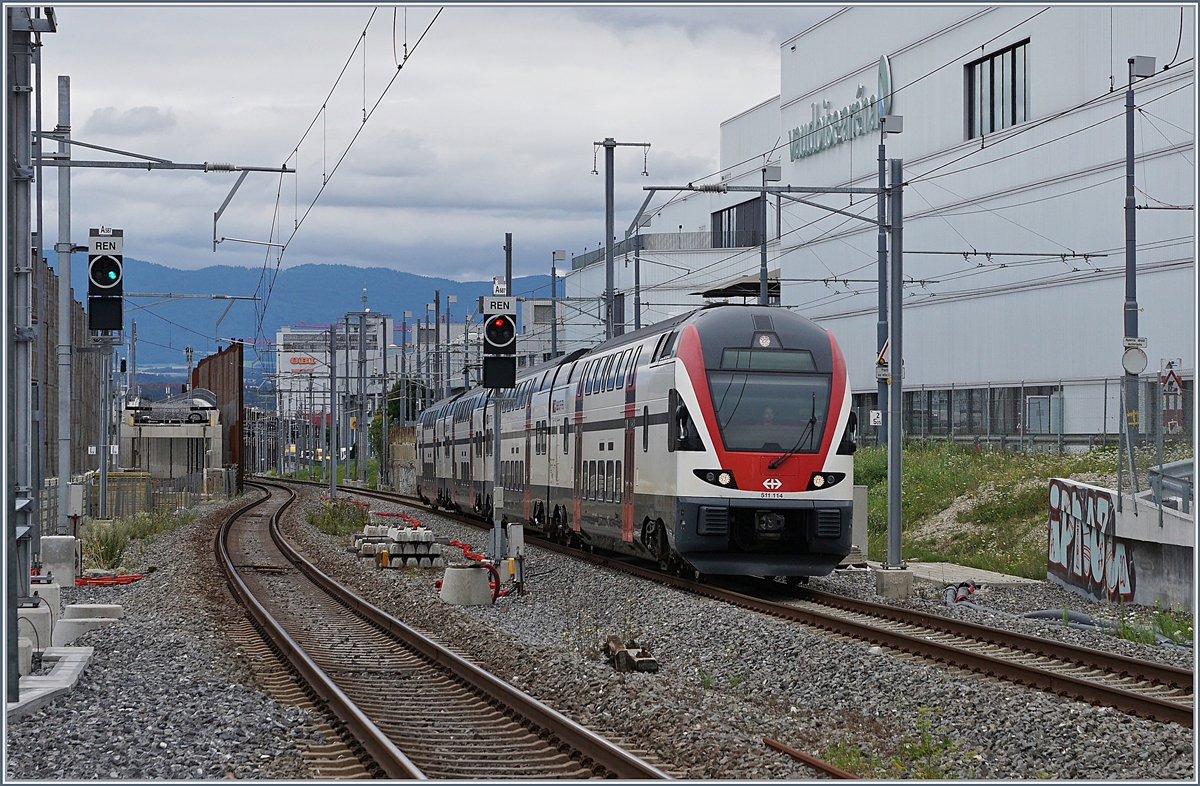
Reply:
x=219, y=168
x=716, y=188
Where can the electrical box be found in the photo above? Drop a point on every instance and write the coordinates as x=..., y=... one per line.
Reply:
x=74, y=499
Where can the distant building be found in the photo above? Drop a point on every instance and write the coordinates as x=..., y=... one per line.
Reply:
x=1013, y=149
x=302, y=363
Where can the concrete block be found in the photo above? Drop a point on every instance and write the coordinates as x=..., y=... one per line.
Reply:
x=58, y=558
x=894, y=583
x=35, y=624
x=51, y=595
x=24, y=656
x=858, y=521
x=78, y=611
x=67, y=630
x=466, y=585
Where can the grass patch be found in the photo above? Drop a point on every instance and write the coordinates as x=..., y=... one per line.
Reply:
x=339, y=518
x=1004, y=532
x=105, y=543
x=912, y=756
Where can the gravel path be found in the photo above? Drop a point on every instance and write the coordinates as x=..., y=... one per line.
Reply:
x=730, y=677
x=168, y=695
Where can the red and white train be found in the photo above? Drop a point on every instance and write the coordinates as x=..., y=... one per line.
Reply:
x=717, y=442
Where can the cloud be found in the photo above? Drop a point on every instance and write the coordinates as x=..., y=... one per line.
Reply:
x=488, y=128
x=139, y=121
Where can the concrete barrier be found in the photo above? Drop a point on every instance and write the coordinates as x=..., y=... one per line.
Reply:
x=466, y=585
x=35, y=623
x=78, y=611
x=58, y=558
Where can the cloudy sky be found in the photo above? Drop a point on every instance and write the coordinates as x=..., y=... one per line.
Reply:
x=487, y=129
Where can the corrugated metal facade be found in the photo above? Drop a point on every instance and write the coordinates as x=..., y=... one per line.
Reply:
x=222, y=374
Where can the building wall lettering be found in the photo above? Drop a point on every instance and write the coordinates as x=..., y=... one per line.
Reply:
x=828, y=128
x=1083, y=549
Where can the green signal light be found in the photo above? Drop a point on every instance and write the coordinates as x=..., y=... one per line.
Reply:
x=112, y=275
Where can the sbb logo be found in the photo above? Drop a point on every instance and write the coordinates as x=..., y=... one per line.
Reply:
x=304, y=361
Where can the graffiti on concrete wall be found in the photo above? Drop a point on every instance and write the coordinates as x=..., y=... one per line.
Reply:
x=1083, y=548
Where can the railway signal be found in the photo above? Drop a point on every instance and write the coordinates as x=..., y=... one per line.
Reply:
x=106, y=279
x=499, y=342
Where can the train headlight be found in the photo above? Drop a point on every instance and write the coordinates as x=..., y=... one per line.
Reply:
x=718, y=477
x=823, y=480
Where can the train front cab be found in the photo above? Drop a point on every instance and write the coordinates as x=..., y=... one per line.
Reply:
x=762, y=434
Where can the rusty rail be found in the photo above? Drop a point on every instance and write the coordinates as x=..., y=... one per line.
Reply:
x=811, y=761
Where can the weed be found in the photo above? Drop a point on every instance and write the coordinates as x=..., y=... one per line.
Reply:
x=104, y=543
x=339, y=518
x=583, y=636
x=914, y=757
x=736, y=680
x=1174, y=623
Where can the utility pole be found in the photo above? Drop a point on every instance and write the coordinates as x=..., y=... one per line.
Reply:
x=896, y=367
x=610, y=145
x=333, y=412
x=385, y=424
x=769, y=174
x=437, y=342
x=555, y=258
x=360, y=436
x=1134, y=359
x=887, y=124
x=347, y=409
x=64, y=247
x=403, y=371
x=449, y=322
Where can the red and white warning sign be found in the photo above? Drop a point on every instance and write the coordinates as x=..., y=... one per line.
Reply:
x=1172, y=400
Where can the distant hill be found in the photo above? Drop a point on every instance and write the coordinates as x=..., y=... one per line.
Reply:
x=305, y=293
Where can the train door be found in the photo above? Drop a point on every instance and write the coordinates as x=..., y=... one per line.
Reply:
x=629, y=378
x=577, y=427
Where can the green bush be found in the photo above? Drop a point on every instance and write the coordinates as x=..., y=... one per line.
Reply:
x=104, y=543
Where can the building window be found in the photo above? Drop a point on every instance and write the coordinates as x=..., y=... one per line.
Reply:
x=738, y=226
x=997, y=91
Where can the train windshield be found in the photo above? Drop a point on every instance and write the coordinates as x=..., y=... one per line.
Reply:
x=770, y=412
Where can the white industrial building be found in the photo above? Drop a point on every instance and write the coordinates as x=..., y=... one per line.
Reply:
x=302, y=364
x=1013, y=149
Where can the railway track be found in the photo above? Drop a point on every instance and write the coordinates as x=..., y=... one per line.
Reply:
x=1150, y=690
x=417, y=709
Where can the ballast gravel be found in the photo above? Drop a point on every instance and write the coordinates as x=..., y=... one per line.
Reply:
x=170, y=696
x=729, y=677
x=167, y=694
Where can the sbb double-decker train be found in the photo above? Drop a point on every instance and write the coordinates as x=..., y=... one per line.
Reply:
x=717, y=442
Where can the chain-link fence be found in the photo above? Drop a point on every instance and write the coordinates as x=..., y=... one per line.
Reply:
x=131, y=493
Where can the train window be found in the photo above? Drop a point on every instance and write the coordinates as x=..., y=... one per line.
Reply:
x=668, y=345
x=597, y=375
x=637, y=355
x=585, y=378
x=618, y=484
x=645, y=429
x=608, y=481
x=773, y=360
x=619, y=371
x=658, y=346
x=600, y=481
x=566, y=430
x=612, y=375
x=592, y=479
